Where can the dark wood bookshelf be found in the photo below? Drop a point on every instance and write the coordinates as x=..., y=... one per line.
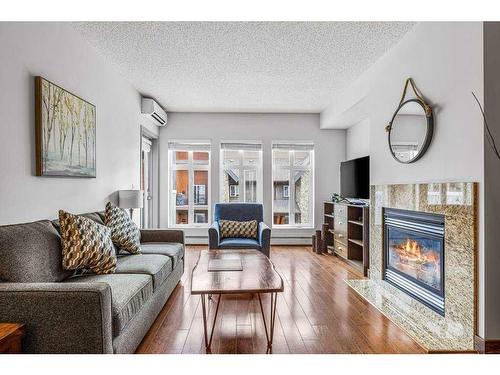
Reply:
x=348, y=233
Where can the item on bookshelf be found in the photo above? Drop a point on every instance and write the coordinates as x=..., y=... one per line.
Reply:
x=357, y=202
x=337, y=198
x=313, y=243
x=319, y=243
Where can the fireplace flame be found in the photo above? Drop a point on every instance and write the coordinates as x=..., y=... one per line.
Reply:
x=411, y=251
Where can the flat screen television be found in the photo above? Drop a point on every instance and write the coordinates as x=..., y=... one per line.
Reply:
x=355, y=178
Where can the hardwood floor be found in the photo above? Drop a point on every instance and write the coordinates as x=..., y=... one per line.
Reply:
x=317, y=313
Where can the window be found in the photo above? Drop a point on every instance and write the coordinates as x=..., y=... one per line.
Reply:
x=189, y=181
x=293, y=184
x=241, y=171
x=234, y=191
x=286, y=194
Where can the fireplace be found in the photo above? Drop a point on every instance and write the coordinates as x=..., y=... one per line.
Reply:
x=414, y=255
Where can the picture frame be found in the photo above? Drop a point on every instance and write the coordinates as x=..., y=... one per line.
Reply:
x=65, y=132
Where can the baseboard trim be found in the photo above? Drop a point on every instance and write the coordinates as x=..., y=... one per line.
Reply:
x=451, y=352
x=486, y=346
x=287, y=241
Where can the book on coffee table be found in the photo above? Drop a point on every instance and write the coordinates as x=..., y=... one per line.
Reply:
x=224, y=265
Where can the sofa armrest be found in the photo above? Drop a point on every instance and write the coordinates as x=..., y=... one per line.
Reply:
x=265, y=238
x=213, y=235
x=162, y=235
x=60, y=317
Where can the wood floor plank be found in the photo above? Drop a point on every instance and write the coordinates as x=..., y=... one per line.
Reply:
x=299, y=316
x=244, y=342
x=317, y=313
x=227, y=336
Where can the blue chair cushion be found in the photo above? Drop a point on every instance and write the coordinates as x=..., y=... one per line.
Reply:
x=239, y=243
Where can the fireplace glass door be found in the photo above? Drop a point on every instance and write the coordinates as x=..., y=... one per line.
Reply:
x=414, y=255
x=417, y=256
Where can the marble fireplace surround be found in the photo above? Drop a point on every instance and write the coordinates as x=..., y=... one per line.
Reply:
x=458, y=203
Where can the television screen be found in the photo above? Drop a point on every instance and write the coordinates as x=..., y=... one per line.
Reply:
x=355, y=178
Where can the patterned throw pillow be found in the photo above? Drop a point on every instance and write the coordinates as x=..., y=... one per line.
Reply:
x=239, y=229
x=124, y=232
x=86, y=244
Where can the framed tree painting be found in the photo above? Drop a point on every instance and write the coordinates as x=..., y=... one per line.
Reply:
x=65, y=132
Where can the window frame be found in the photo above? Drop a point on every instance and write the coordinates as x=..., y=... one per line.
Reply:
x=241, y=167
x=291, y=187
x=191, y=166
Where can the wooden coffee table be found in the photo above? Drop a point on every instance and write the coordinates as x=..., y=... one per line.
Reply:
x=220, y=272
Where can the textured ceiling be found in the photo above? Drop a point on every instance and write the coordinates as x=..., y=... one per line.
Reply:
x=242, y=66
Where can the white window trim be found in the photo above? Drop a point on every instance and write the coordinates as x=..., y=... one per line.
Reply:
x=190, y=166
x=291, y=194
x=241, y=168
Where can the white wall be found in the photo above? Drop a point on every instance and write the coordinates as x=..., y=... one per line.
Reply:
x=446, y=62
x=56, y=52
x=329, y=146
x=358, y=140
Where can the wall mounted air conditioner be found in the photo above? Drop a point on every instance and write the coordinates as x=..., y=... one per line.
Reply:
x=153, y=112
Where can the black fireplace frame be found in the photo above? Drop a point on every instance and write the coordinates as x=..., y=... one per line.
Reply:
x=425, y=218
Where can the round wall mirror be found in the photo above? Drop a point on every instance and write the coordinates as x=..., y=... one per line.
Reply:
x=410, y=130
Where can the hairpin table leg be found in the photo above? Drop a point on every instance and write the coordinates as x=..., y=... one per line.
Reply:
x=208, y=340
x=270, y=335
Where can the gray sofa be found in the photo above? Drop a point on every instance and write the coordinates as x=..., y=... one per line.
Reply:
x=86, y=313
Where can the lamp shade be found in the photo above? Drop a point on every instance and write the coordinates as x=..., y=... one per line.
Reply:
x=130, y=198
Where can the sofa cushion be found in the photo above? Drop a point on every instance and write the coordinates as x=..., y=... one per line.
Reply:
x=239, y=243
x=31, y=253
x=124, y=232
x=128, y=294
x=94, y=216
x=173, y=250
x=98, y=217
x=86, y=244
x=158, y=266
